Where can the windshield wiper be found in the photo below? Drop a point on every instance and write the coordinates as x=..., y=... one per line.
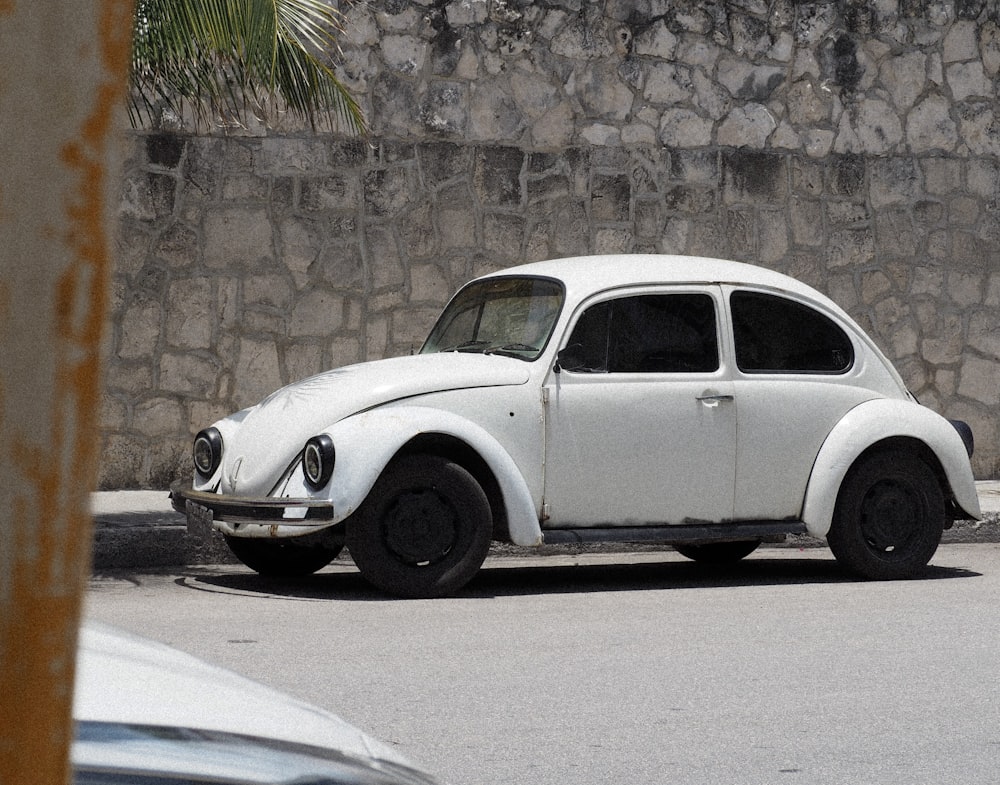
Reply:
x=511, y=350
x=467, y=346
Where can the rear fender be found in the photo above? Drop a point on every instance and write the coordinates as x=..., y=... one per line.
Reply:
x=366, y=442
x=865, y=426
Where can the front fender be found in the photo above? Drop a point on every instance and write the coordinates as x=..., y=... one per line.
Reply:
x=366, y=442
x=869, y=423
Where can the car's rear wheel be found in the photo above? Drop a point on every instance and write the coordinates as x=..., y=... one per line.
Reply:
x=424, y=529
x=889, y=517
x=718, y=552
x=283, y=558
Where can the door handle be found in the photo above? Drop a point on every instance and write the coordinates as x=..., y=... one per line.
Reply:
x=711, y=401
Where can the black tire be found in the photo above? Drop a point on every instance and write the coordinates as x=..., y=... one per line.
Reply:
x=424, y=529
x=889, y=517
x=282, y=558
x=718, y=552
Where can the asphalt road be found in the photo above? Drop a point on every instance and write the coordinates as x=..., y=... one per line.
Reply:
x=618, y=668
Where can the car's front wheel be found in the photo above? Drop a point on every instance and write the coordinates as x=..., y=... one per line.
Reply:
x=283, y=558
x=424, y=529
x=889, y=517
x=718, y=552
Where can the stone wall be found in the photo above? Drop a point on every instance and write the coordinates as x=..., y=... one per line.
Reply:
x=852, y=144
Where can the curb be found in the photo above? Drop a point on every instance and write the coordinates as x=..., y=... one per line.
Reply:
x=138, y=529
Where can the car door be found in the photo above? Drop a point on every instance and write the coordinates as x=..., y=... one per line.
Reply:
x=795, y=378
x=640, y=419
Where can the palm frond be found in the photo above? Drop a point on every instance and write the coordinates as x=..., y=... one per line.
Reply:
x=232, y=58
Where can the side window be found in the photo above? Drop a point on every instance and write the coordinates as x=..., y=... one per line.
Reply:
x=777, y=335
x=652, y=333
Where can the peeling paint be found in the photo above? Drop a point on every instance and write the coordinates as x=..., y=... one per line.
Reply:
x=45, y=570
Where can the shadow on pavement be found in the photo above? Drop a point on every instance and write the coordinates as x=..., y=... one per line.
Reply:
x=344, y=583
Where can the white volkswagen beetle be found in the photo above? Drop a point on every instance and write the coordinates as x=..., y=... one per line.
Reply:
x=708, y=404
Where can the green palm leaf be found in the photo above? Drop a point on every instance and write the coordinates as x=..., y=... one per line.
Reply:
x=234, y=59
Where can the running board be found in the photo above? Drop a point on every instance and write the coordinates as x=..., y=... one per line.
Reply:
x=691, y=533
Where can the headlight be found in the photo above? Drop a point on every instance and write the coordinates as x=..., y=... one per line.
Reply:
x=207, y=453
x=317, y=461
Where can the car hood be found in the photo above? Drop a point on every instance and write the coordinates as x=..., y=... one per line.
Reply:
x=126, y=680
x=270, y=434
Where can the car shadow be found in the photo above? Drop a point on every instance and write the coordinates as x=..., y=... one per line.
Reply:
x=497, y=579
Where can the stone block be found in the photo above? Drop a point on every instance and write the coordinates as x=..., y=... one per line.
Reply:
x=850, y=248
x=177, y=246
x=345, y=351
x=930, y=128
x=191, y=313
x=189, y=374
x=341, y=267
x=503, y=234
x=443, y=162
x=405, y=54
x=159, y=417
x=256, y=373
x=984, y=336
x=457, y=221
x=497, y=176
x=806, y=221
x=428, y=283
x=613, y=241
x=648, y=218
x=444, y=109
x=316, y=313
x=610, y=198
x=140, y=330
x=339, y=191
x=387, y=192
x=571, y=230
x=554, y=129
x=684, y=128
x=978, y=380
x=299, y=243
x=772, y=236
x=667, y=83
x=965, y=289
x=238, y=238
x=944, y=345
x=416, y=229
x=756, y=177
x=303, y=359
x=893, y=181
x=410, y=327
x=494, y=115
x=148, y=196
x=746, y=126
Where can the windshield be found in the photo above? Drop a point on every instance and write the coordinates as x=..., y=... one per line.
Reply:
x=509, y=316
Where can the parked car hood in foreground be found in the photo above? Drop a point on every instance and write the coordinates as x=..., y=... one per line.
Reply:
x=143, y=704
x=273, y=432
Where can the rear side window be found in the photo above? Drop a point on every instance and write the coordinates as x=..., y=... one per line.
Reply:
x=654, y=333
x=777, y=335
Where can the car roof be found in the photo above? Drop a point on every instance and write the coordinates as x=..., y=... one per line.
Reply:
x=583, y=275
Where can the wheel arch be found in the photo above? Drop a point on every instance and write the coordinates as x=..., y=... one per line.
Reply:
x=885, y=425
x=367, y=442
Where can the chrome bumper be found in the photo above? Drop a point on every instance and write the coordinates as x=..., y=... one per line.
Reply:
x=242, y=510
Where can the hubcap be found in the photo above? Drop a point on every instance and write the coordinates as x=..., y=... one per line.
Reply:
x=890, y=513
x=420, y=527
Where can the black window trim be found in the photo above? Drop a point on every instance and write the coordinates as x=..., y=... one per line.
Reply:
x=723, y=329
x=730, y=289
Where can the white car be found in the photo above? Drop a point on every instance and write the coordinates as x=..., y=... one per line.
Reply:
x=146, y=713
x=708, y=404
